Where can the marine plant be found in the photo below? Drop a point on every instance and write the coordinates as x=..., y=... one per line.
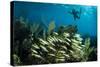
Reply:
x=16, y=60
x=63, y=45
x=51, y=27
x=87, y=50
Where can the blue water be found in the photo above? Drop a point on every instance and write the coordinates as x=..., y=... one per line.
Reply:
x=37, y=12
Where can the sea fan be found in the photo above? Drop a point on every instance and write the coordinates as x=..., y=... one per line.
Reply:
x=87, y=50
x=51, y=27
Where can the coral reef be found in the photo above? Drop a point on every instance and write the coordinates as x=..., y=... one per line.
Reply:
x=33, y=45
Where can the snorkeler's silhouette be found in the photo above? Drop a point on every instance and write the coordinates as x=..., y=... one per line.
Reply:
x=76, y=14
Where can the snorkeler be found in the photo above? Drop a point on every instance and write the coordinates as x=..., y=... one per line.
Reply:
x=76, y=14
